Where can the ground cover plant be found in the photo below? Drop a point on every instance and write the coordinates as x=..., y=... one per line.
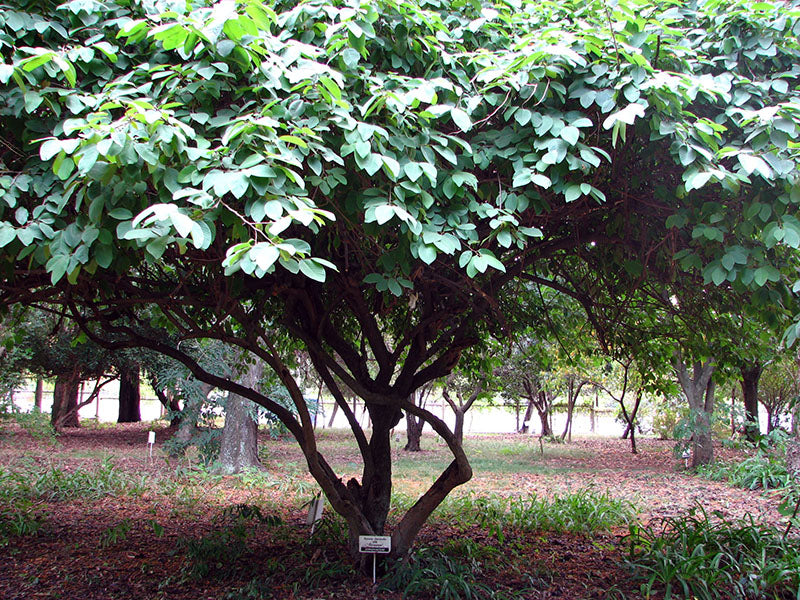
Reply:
x=110, y=523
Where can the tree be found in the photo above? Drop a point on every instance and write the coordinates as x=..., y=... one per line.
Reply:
x=369, y=179
x=129, y=396
x=415, y=425
x=239, y=441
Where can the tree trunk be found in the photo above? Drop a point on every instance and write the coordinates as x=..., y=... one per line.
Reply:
x=698, y=387
x=333, y=415
x=169, y=405
x=65, y=401
x=239, y=444
x=750, y=376
x=458, y=428
x=526, y=421
x=38, y=394
x=544, y=418
x=413, y=433
x=129, y=396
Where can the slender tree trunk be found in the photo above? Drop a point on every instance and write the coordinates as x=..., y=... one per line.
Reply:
x=65, y=401
x=526, y=421
x=750, y=376
x=38, y=394
x=333, y=414
x=239, y=443
x=169, y=406
x=458, y=426
x=129, y=396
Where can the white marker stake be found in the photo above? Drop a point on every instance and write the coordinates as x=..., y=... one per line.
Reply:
x=374, y=544
x=315, y=511
x=151, y=439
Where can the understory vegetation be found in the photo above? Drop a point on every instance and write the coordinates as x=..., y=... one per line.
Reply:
x=243, y=537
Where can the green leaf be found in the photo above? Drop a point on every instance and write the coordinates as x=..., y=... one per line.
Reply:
x=311, y=269
x=427, y=254
x=384, y=213
x=751, y=163
x=570, y=134
x=265, y=255
x=461, y=119
x=627, y=115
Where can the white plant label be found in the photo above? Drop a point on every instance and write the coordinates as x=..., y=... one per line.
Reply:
x=151, y=437
x=315, y=510
x=375, y=544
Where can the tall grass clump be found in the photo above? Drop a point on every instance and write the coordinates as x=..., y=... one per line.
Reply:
x=711, y=557
x=585, y=511
x=56, y=484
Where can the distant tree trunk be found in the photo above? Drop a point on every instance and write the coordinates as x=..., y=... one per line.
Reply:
x=573, y=392
x=750, y=376
x=414, y=427
x=37, y=395
x=239, y=444
x=65, y=401
x=129, y=396
x=170, y=404
x=544, y=419
x=333, y=414
x=699, y=390
x=461, y=407
x=526, y=420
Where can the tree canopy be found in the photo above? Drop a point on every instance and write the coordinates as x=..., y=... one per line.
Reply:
x=367, y=177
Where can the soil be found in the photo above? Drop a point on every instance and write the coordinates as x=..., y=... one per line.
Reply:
x=136, y=546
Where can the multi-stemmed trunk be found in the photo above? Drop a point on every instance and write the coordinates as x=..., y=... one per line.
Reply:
x=698, y=386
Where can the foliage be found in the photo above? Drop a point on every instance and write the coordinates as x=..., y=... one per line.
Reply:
x=710, y=556
x=36, y=424
x=669, y=414
x=584, y=511
x=217, y=553
x=59, y=484
x=433, y=574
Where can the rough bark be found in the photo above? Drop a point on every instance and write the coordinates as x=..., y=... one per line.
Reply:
x=129, y=395
x=698, y=387
x=414, y=427
x=750, y=376
x=65, y=401
x=239, y=443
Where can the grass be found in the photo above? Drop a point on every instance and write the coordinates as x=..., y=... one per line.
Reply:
x=711, y=557
x=585, y=511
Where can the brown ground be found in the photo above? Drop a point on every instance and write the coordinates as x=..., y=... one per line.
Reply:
x=76, y=556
